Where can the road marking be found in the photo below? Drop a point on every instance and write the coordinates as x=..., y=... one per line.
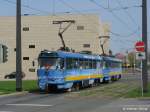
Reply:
x=32, y=105
x=6, y=111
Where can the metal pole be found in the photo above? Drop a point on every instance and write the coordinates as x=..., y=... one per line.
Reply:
x=18, y=47
x=134, y=62
x=141, y=80
x=144, y=39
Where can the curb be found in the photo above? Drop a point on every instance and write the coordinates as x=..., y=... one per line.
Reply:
x=14, y=94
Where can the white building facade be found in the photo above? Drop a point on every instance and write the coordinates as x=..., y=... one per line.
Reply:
x=39, y=33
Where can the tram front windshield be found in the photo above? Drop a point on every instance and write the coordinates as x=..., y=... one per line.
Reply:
x=51, y=63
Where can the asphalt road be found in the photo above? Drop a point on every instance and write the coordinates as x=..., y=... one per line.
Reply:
x=97, y=101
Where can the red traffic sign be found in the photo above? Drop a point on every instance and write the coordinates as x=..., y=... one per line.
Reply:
x=140, y=46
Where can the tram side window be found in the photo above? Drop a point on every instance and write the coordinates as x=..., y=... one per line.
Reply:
x=75, y=63
x=112, y=65
x=94, y=64
x=115, y=65
x=86, y=62
x=72, y=63
x=61, y=64
x=120, y=65
x=90, y=64
x=81, y=64
x=69, y=63
x=106, y=64
x=99, y=64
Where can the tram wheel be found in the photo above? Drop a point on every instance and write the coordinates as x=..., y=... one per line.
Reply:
x=76, y=87
x=112, y=79
x=105, y=81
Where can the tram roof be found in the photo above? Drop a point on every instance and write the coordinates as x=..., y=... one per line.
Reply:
x=63, y=54
x=107, y=58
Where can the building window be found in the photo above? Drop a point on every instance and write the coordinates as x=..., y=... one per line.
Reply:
x=86, y=45
x=25, y=28
x=31, y=70
x=25, y=58
x=80, y=27
x=31, y=46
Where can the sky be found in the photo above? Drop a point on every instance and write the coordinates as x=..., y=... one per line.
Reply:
x=124, y=16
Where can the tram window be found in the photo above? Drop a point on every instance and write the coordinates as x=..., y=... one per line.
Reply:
x=72, y=63
x=120, y=65
x=69, y=63
x=94, y=64
x=113, y=65
x=105, y=65
x=75, y=63
x=86, y=63
x=81, y=64
x=53, y=63
x=61, y=64
x=117, y=65
x=90, y=64
x=99, y=64
x=84, y=66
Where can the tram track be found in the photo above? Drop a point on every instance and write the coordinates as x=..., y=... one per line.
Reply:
x=113, y=89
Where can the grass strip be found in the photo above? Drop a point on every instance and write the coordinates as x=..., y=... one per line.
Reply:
x=138, y=93
x=7, y=87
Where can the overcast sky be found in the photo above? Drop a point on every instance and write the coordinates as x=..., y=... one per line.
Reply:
x=123, y=15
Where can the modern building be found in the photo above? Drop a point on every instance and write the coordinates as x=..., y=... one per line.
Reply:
x=39, y=33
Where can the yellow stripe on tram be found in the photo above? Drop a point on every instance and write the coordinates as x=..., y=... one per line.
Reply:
x=82, y=77
x=115, y=73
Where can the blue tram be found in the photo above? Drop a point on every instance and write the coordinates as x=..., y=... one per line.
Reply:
x=112, y=69
x=65, y=70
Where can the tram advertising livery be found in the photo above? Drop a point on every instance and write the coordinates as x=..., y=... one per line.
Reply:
x=72, y=71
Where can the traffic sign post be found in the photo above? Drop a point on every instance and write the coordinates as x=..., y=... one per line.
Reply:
x=144, y=39
x=140, y=55
x=141, y=79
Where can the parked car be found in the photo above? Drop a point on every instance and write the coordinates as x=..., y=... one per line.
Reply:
x=13, y=75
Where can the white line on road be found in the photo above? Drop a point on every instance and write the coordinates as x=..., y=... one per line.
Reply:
x=32, y=105
x=6, y=111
